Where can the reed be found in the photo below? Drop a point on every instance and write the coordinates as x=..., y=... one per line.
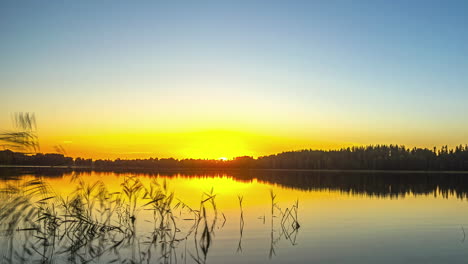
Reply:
x=24, y=137
x=93, y=224
x=241, y=224
x=289, y=223
x=140, y=223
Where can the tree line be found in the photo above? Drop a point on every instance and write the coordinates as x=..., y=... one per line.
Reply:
x=374, y=157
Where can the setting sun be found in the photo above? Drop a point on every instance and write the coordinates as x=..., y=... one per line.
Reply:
x=153, y=131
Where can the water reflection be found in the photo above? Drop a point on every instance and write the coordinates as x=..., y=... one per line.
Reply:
x=140, y=223
x=339, y=218
x=374, y=184
x=289, y=224
x=137, y=225
x=241, y=224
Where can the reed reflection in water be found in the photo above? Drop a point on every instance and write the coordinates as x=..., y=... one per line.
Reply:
x=368, y=183
x=237, y=217
x=141, y=222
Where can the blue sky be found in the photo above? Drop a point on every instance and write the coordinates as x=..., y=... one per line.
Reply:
x=356, y=72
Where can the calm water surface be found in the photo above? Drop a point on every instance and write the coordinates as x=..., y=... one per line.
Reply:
x=344, y=217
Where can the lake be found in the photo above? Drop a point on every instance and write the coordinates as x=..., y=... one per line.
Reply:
x=232, y=217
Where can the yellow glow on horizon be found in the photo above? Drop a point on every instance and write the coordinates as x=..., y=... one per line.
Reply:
x=256, y=193
x=201, y=144
x=214, y=144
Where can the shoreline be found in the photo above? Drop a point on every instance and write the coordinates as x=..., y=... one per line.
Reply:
x=235, y=169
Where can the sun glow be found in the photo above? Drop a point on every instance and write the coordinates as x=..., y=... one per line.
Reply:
x=221, y=145
x=198, y=144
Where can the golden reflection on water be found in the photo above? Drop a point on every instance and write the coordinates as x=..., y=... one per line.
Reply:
x=187, y=188
x=332, y=220
x=256, y=193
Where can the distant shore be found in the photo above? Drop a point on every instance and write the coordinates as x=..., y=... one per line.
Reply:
x=378, y=158
x=141, y=169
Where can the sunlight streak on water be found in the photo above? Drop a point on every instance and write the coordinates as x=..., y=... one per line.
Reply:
x=336, y=226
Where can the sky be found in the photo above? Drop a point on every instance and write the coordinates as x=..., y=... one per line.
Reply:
x=212, y=79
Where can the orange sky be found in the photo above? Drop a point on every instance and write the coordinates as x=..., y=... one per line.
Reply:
x=218, y=79
x=102, y=136
x=212, y=144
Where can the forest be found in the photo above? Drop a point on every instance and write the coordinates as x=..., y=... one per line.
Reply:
x=378, y=157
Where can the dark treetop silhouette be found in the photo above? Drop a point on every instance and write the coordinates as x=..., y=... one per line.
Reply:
x=380, y=157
